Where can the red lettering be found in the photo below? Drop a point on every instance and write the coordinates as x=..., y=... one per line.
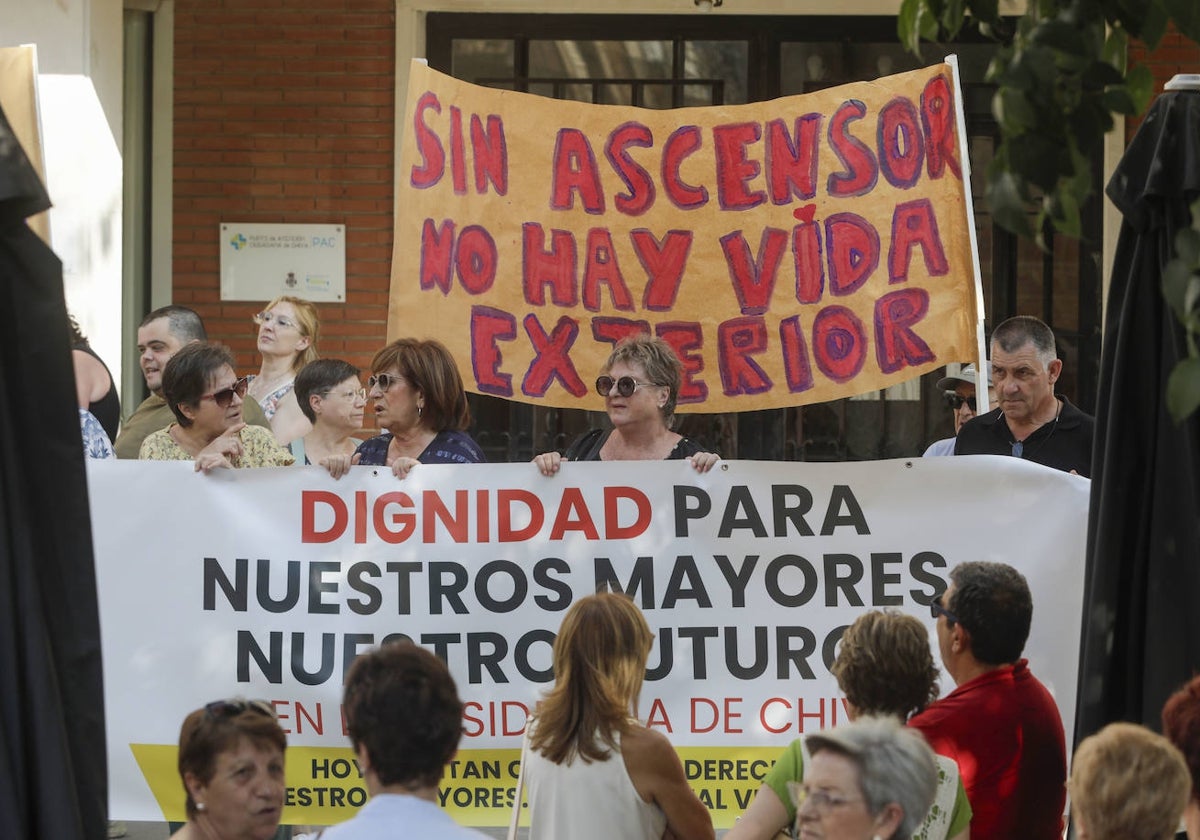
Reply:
x=640, y=197
x=901, y=143
x=664, y=263
x=552, y=360
x=613, y=529
x=684, y=338
x=941, y=137
x=797, y=370
x=896, y=344
x=697, y=704
x=458, y=165
x=573, y=515
x=754, y=280
x=489, y=326
x=733, y=168
x=555, y=268
x=574, y=171
x=360, y=517
x=764, y=719
x=839, y=343
x=437, y=253
x=611, y=330
x=737, y=341
x=505, y=499
x=406, y=521
x=433, y=156
x=853, y=252
x=914, y=223
x=731, y=715
x=791, y=167
x=679, y=146
x=475, y=258
x=810, y=268
x=861, y=171
x=602, y=269
x=309, y=499
x=434, y=510
x=490, y=150
x=658, y=715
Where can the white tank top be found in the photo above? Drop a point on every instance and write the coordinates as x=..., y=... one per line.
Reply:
x=582, y=801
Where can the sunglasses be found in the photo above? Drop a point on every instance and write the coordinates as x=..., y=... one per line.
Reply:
x=237, y=705
x=626, y=385
x=224, y=397
x=936, y=608
x=955, y=401
x=382, y=380
x=283, y=321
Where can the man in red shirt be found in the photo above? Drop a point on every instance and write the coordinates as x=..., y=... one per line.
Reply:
x=1000, y=724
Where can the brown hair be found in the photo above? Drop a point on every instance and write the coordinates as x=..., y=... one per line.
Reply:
x=189, y=373
x=1127, y=781
x=309, y=324
x=430, y=369
x=206, y=734
x=1181, y=724
x=657, y=359
x=885, y=665
x=599, y=664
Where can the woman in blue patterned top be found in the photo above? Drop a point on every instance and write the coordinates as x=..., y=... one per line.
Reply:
x=419, y=400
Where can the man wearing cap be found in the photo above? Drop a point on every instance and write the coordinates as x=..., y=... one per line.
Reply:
x=959, y=390
x=1031, y=422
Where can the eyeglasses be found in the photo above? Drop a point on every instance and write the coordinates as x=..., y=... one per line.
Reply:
x=936, y=608
x=224, y=397
x=626, y=385
x=382, y=381
x=822, y=802
x=283, y=321
x=352, y=394
x=236, y=705
x=955, y=401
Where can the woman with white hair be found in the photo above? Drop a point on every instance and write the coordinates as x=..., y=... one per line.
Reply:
x=873, y=779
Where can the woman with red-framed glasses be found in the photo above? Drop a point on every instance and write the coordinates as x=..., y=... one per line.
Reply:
x=640, y=385
x=205, y=395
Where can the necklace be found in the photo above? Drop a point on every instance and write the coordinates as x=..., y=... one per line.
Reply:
x=1018, y=446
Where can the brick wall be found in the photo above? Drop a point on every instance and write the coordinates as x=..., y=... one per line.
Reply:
x=1174, y=54
x=284, y=112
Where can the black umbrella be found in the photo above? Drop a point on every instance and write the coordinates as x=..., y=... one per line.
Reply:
x=54, y=782
x=1141, y=628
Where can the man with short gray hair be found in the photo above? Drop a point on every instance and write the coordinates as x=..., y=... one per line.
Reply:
x=1031, y=422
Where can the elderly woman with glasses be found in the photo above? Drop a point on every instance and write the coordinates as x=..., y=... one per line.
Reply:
x=231, y=762
x=332, y=398
x=205, y=395
x=419, y=400
x=885, y=667
x=640, y=384
x=873, y=779
x=287, y=340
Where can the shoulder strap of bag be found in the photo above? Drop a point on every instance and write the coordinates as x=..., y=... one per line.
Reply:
x=516, y=814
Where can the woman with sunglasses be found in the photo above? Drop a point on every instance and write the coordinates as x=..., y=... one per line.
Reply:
x=640, y=384
x=419, y=400
x=332, y=398
x=231, y=763
x=205, y=395
x=287, y=340
x=885, y=668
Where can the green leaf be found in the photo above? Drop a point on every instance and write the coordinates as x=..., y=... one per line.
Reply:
x=1012, y=109
x=987, y=12
x=1119, y=101
x=1187, y=246
x=952, y=18
x=1006, y=202
x=1186, y=14
x=1175, y=279
x=1116, y=49
x=906, y=26
x=1140, y=84
x=1183, y=389
x=1154, y=24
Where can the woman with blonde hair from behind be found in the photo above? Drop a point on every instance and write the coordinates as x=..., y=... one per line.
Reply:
x=1128, y=783
x=592, y=771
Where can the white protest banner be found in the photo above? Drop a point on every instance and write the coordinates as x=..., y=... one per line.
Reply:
x=267, y=583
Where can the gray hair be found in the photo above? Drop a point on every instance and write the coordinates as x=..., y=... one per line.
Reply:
x=183, y=323
x=1020, y=330
x=895, y=765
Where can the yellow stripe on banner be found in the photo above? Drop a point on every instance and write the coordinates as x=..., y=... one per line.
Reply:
x=325, y=786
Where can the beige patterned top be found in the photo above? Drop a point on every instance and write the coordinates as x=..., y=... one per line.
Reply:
x=259, y=449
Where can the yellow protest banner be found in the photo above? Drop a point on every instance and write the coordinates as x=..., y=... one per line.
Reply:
x=791, y=251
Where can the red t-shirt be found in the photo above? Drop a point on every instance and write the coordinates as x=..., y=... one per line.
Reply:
x=1006, y=734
